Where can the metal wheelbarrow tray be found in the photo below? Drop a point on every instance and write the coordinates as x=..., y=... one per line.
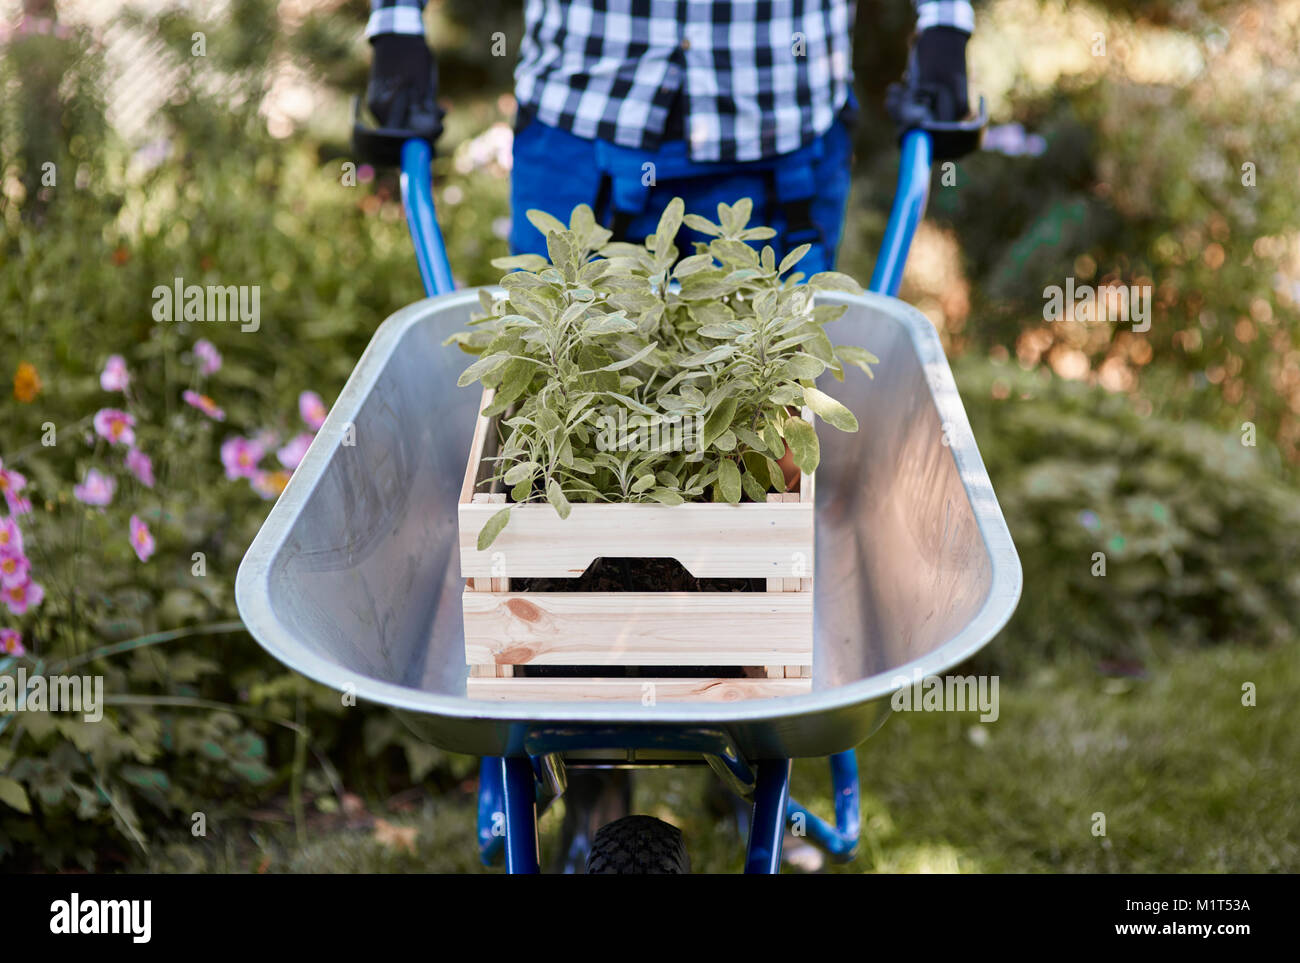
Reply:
x=354, y=579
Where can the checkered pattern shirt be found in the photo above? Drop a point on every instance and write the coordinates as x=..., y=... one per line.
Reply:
x=758, y=77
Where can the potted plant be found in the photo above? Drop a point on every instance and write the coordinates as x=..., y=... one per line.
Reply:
x=639, y=405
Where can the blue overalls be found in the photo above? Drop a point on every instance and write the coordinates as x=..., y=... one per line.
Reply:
x=802, y=195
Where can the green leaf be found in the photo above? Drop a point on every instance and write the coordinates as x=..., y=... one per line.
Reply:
x=829, y=410
x=721, y=353
x=669, y=223
x=834, y=281
x=692, y=265
x=14, y=795
x=750, y=438
x=729, y=481
x=521, y=472
x=555, y=495
x=753, y=487
x=804, y=366
x=520, y=262
x=487, y=535
x=702, y=225
x=719, y=420
x=793, y=258
x=481, y=367
x=756, y=465
x=851, y=354
x=644, y=483
x=772, y=439
x=775, y=473
x=545, y=222
x=804, y=447
x=628, y=362
x=666, y=496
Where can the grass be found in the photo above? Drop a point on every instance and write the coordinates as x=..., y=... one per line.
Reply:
x=1188, y=778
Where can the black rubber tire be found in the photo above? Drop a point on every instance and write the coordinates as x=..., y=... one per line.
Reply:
x=638, y=846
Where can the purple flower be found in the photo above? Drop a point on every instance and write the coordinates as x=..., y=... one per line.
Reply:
x=97, y=489
x=11, y=483
x=14, y=570
x=208, y=356
x=141, y=539
x=240, y=457
x=115, y=426
x=312, y=409
x=291, y=454
x=11, y=538
x=139, y=465
x=23, y=596
x=204, y=404
x=11, y=642
x=114, y=377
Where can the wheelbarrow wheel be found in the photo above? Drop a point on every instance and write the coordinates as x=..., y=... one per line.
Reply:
x=639, y=846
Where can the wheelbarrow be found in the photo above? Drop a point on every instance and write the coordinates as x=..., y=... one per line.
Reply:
x=354, y=578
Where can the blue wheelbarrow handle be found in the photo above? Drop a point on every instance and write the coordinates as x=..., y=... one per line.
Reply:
x=417, y=198
x=909, y=208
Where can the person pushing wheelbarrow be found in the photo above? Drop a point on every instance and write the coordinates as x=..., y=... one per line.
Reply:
x=626, y=104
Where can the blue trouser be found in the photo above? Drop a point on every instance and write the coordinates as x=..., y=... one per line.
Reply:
x=801, y=195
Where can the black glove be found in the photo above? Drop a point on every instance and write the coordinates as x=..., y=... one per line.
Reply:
x=941, y=71
x=403, y=88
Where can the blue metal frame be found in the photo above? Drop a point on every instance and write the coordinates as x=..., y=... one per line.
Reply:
x=421, y=217
x=508, y=787
x=910, y=195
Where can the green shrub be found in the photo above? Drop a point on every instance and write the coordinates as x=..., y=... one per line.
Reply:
x=1200, y=533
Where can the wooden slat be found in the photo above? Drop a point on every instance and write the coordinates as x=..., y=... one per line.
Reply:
x=638, y=628
x=711, y=540
x=489, y=584
x=633, y=690
x=482, y=432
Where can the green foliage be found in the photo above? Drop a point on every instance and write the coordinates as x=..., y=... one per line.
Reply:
x=1200, y=533
x=199, y=718
x=605, y=346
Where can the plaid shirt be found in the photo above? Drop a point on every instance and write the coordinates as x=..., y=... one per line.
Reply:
x=757, y=77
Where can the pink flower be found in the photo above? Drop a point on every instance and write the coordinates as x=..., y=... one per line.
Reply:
x=11, y=643
x=291, y=454
x=208, y=357
x=139, y=465
x=11, y=538
x=114, y=377
x=141, y=539
x=240, y=456
x=312, y=409
x=11, y=483
x=26, y=595
x=204, y=404
x=97, y=489
x=269, y=484
x=116, y=426
x=14, y=569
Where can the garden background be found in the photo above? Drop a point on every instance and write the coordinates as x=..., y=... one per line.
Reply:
x=1138, y=143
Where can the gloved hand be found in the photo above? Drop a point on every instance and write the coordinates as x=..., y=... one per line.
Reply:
x=940, y=65
x=403, y=88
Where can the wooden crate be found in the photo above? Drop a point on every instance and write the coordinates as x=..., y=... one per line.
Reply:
x=766, y=634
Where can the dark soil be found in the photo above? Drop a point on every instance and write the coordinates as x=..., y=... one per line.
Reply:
x=637, y=575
